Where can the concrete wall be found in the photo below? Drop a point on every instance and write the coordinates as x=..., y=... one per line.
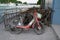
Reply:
x=48, y=3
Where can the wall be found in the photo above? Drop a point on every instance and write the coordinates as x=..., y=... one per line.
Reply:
x=48, y=3
x=56, y=16
x=55, y=5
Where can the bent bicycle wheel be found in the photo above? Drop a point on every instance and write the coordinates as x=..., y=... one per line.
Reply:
x=38, y=30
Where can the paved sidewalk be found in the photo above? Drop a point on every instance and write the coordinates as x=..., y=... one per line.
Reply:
x=57, y=29
x=26, y=35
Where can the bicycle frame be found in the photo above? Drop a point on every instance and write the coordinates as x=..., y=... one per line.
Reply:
x=32, y=22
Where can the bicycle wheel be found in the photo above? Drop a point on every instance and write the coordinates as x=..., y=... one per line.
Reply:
x=16, y=30
x=13, y=28
x=38, y=30
x=7, y=27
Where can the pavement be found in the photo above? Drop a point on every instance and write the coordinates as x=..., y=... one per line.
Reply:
x=28, y=35
x=57, y=29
